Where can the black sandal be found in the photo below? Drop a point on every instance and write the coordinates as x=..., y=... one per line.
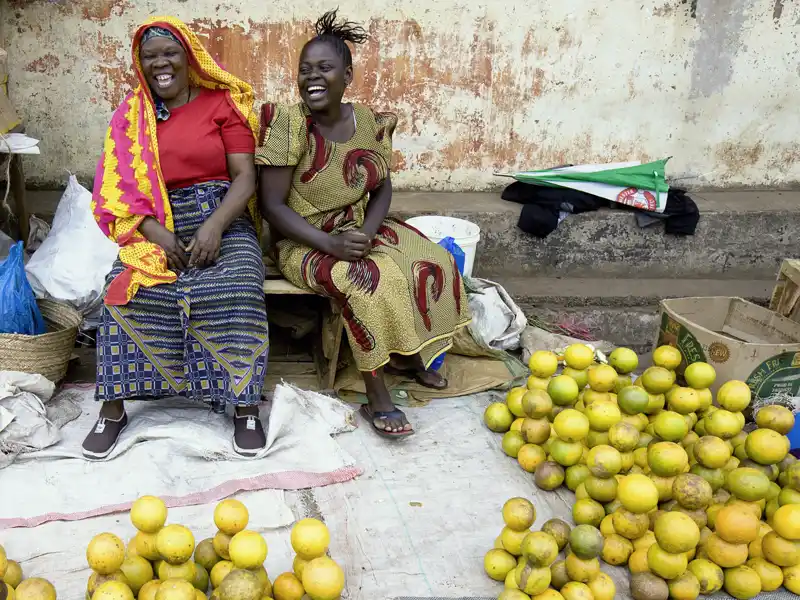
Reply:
x=370, y=416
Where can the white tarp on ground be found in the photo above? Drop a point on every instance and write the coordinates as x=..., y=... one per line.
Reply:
x=416, y=524
x=180, y=451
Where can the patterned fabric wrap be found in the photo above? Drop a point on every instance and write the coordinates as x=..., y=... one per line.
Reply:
x=155, y=31
x=204, y=336
x=406, y=297
x=128, y=184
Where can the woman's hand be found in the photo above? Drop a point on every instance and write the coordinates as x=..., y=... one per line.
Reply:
x=205, y=245
x=370, y=237
x=349, y=245
x=159, y=235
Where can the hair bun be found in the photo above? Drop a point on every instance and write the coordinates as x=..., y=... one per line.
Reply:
x=348, y=31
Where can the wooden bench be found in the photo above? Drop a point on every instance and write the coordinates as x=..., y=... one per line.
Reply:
x=326, y=368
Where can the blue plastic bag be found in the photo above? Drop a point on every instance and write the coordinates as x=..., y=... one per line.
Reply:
x=794, y=437
x=19, y=312
x=450, y=245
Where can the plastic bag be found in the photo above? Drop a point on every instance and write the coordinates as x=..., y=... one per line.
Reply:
x=37, y=233
x=72, y=263
x=497, y=322
x=453, y=248
x=19, y=312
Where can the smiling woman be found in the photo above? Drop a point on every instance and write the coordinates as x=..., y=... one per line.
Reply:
x=184, y=310
x=165, y=64
x=326, y=189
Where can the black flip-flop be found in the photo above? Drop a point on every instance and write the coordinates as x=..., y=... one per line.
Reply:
x=416, y=376
x=370, y=416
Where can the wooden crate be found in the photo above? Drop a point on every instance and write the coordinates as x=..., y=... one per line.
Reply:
x=786, y=295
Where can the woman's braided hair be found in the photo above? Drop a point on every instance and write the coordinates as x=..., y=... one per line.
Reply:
x=338, y=33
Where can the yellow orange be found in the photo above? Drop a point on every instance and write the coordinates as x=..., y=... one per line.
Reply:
x=734, y=395
x=579, y=356
x=543, y=363
x=231, y=516
x=667, y=357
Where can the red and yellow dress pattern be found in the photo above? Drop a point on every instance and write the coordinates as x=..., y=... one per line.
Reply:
x=406, y=296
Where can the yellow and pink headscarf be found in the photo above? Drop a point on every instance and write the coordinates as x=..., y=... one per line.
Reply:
x=128, y=184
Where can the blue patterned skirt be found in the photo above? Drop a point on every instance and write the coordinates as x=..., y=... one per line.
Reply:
x=203, y=337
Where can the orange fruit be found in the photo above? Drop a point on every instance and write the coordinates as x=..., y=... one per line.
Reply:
x=736, y=526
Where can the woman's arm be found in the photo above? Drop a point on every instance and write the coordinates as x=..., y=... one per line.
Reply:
x=205, y=245
x=380, y=200
x=274, y=184
x=273, y=191
x=243, y=185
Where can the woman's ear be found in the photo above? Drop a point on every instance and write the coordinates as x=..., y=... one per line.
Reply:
x=348, y=76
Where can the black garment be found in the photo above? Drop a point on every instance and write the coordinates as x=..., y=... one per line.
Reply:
x=682, y=213
x=539, y=216
x=543, y=204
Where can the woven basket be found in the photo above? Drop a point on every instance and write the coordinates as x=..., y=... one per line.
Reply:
x=47, y=354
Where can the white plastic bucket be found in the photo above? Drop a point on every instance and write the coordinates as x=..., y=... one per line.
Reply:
x=466, y=234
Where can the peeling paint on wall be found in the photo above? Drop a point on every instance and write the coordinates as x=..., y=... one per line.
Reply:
x=47, y=63
x=480, y=86
x=778, y=10
x=720, y=23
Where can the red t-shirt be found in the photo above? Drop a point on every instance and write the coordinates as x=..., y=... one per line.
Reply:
x=194, y=141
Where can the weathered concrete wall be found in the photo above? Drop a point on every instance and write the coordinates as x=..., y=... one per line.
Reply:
x=481, y=85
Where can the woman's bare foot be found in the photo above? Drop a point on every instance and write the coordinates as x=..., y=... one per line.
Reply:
x=412, y=366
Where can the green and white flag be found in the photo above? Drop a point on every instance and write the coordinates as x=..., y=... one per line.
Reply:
x=641, y=186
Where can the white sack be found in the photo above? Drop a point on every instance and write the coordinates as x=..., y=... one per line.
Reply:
x=72, y=263
x=497, y=321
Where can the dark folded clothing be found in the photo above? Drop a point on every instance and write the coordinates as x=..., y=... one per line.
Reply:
x=542, y=205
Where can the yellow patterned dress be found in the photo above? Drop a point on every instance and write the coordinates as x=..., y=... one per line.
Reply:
x=406, y=296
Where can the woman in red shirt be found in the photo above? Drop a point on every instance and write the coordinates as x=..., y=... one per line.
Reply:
x=200, y=331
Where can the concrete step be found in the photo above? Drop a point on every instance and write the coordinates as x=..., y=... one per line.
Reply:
x=741, y=235
x=601, y=271
x=577, y=292
x=622, y=311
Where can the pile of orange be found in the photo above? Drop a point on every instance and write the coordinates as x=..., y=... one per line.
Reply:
x=667, y=479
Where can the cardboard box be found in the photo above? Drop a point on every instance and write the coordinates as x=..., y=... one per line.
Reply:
x=786, y=294
x=8, y=116
x=741, y=340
